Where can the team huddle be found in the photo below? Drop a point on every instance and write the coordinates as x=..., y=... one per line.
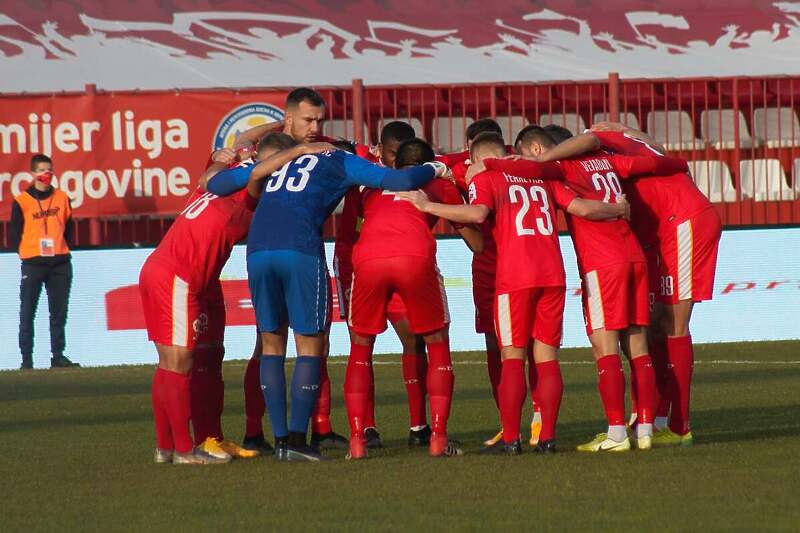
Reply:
x=645, y=238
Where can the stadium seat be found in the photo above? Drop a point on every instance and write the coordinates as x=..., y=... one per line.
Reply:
x=778, y=126
x=763, y=179
x=718, y=129
x=714, y=179
x=343, y=129
x=796, y=178
x=517, y=123
x=415, y=123
x=673, y=129
x=629, y=119
x=449, y=133
x=572, y=121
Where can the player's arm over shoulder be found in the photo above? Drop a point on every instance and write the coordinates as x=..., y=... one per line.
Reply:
x=569, y=201
x=448, y=193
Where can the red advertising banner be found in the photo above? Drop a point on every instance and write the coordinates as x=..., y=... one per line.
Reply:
x=124, y=153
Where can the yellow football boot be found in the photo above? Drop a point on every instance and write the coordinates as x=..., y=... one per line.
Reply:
x=601, y=443
x=212, y=447
x=494, y=440
x=236, y=451
x=666, y=437
x=536, y=430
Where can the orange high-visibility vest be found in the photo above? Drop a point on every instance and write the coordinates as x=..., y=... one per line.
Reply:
x=43, y=219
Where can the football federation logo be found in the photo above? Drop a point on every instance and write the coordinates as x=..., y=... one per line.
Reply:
x=242, y=119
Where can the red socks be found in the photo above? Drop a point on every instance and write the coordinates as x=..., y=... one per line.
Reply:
x=254, y=407
x=549, y=390
x=321, y=417
x=160, y=416
x=681, y=363
x=415, y=370
x=532, y=379
x=440, y=379
x=358, y=378
x=658, y=354
x=611, y=385
x=512, y=394
x=494, y=365
x=207, y=391
x=369, y=416
x=643, y=381
x=177, y=404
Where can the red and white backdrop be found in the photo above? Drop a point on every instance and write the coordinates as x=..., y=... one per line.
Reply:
x=132, y=153
x=124, y=153
x=151, y=44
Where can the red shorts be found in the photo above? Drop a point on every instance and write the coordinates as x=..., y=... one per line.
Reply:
x=415, y=280
x=396, y=311
x=524, y=314
x=689, y=259
x=616, y=296
x=483, y=296
x=176, y=314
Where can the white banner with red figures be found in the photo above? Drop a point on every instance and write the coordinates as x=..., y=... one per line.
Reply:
x=155, y=44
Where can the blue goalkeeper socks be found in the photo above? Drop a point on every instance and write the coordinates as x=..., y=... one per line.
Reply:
x=305, y=389
x=273, y=387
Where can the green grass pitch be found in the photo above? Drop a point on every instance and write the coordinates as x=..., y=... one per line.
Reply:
x=78, y=450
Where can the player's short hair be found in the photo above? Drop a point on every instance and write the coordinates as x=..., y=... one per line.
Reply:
x=39, y=158
x=533, y=133
x=483, y=125
x=304, y=94
x=412, y=152
x=487, y=139
x=559, y=134
x=397, y=130
x=276, y=140
x=343, y=144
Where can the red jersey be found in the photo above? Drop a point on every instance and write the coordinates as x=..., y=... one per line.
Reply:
x=200, y=241
x=484, y=264
x=393, y=227
x=658, y=203
x=523, y=212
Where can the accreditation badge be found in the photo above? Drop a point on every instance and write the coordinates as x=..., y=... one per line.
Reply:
x=47, y=247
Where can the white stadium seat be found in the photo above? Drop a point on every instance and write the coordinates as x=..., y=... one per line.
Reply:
x=718, y=129
x=796, y=178
x=673, y=129
x=572, y=121
x=449, y=133
x=629, y=119
x=777, y=126
x=517, y=123
x=343, y=129
x=714, y=179
x=763, y=179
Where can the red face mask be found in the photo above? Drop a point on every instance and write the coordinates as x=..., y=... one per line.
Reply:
x=45, y=177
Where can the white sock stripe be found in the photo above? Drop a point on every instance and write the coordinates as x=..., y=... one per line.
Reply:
x=685, y=250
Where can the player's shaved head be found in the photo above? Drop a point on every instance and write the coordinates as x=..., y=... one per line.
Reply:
x=40, y=160
x=273, y=142
x=413, y=152
x=487, y=144
x=533, y=140
x=559, y=134
x=483, y=125
x=305, y=111
x=397, y=130
x=392, y=135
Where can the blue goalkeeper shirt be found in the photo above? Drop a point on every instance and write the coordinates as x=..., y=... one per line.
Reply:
x=297, y=199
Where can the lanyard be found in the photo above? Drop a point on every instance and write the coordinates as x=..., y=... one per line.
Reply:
x=46, y=233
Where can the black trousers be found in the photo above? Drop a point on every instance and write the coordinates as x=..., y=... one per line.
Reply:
x=57, y=280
